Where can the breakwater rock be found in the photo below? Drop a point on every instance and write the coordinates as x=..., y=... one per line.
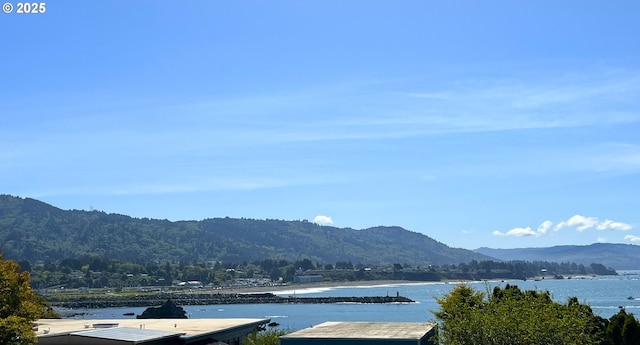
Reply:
x=169, y=310
x=110, y=301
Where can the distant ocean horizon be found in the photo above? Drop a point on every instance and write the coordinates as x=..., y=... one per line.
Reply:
x=604, y=294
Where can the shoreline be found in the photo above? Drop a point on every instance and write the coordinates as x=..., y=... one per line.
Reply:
x=280, y=289
x=290, y=294
x=280, y=294
x=301, y=288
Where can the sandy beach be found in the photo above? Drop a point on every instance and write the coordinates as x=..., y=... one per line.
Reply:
x=298, y=287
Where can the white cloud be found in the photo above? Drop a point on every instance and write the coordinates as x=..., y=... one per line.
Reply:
x=611, y=225
x=581, y=223
x=544, y=227
x=632, y=238
x=323, y=220
x=517, y=232
x=528, y=231
x=601, y=240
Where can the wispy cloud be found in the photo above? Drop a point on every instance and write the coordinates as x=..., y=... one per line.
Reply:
x=561, y=101
x=489, y=106
x=429, y=177
x=212, y=133
x=168, y=187
x=368, y=111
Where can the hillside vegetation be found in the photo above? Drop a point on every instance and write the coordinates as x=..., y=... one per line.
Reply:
x=618, y=256
x=31, y=230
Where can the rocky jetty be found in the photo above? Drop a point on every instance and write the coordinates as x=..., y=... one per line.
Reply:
x=213, y=299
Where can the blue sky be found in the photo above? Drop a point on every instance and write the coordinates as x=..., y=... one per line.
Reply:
x=478, y=123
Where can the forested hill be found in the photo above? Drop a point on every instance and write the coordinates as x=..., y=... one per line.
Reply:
x=32, y=230
x=618, y=256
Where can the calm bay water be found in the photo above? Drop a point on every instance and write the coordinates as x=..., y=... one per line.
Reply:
x=604, y=294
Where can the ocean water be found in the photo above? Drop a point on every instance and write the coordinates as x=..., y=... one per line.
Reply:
x=605, y=295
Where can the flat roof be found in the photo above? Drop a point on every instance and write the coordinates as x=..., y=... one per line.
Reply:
x=189, y=327
x=364, y=330
x=126, y=334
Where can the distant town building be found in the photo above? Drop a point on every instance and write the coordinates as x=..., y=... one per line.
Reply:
x=308, y=279
x=193, y=284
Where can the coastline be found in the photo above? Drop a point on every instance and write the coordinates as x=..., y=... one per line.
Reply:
x=288, y=294
x=278, y=294
x=302, y=287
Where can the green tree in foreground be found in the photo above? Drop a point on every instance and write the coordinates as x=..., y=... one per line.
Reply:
x=19, y=305
x=623, y=329
x=510, y=316
x=265, y=337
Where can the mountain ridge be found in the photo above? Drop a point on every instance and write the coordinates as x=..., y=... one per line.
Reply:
x=32, y=230
x=617, y=255
x=36, y=231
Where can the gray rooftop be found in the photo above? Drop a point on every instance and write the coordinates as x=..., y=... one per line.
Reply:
x=364, y=330
x=189, y=327
x=127, y=334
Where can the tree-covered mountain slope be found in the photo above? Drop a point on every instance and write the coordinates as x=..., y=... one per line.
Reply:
x=618, y=256
x=32, y=230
